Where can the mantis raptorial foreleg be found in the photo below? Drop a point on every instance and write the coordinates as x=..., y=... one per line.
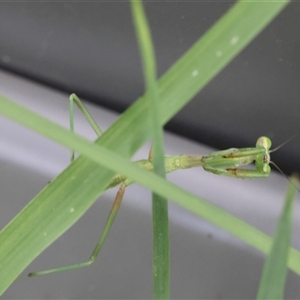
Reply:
x=225, y=162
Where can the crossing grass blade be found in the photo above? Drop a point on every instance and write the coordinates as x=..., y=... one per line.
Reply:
x=274, y=272
x=160, y=222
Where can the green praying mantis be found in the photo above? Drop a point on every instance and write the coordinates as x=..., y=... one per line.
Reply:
x=226, y=162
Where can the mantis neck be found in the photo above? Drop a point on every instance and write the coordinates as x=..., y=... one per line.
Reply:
x=173, y=163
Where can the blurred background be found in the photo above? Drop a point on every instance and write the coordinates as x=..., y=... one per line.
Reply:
x=91, y=50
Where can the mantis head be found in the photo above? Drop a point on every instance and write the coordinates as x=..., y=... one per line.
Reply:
x=265, y=142
x=264, y=161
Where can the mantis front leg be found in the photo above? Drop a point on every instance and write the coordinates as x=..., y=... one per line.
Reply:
x=228, y=162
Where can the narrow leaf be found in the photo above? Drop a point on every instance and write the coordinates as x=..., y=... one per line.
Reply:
x=274, y=272
x=161, y=260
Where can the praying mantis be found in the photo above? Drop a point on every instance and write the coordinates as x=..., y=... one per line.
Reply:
x=226, y=163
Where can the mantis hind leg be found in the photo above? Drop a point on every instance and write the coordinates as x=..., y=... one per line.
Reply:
x=75, y=99
x=94, y=255
x=116, y=205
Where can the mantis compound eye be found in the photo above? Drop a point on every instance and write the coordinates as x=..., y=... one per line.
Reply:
x=264, y=142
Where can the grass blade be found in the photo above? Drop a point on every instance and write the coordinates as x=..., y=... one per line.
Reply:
x=274, y=272
x=160, y=227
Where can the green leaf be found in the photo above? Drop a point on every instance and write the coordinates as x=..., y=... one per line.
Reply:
x=274, y=272
x=160, y=256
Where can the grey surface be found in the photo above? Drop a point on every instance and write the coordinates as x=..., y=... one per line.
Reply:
x=206, y=263
x=90, y=48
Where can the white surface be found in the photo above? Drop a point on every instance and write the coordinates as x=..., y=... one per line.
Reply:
x=206, y=262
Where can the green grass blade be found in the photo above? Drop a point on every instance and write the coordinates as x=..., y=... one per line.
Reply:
x=160, y=226
x=274, y=272
x=59, y=205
